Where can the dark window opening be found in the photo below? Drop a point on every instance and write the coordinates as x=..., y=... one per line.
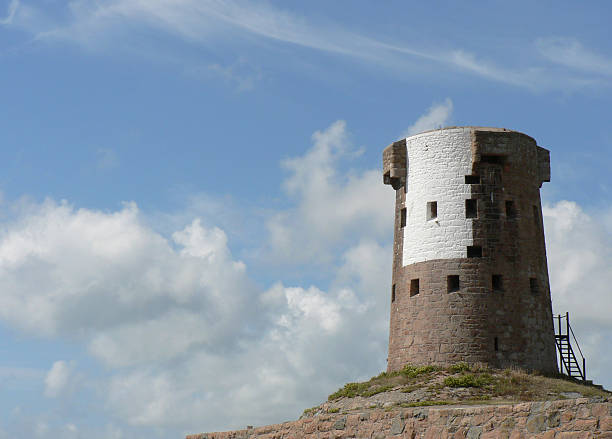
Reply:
x=452, y=283
x=496, y=343
x=536, y=216
x=471, y=208
x=403, y=217
x=498, y=282
x=474, y=251
x=493, y=159
x=510, y=209
x=432, y=210
x=472, y=179
x=414, y=287
x=533, y=285
x=393, y=293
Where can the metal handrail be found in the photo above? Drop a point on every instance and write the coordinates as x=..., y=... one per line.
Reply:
x=568, y=330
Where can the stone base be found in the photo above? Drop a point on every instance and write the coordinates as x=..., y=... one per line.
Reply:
x=577, y=419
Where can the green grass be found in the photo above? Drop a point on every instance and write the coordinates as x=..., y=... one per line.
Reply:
x=483, y=384
x=459, y=367
x=310, y=411
x=383, y=382
x=468, y=380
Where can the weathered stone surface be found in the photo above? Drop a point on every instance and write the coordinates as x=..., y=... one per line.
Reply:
x=340, y=424
x=579, y=418
x=397, y=427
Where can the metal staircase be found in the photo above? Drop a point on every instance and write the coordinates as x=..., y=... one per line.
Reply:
x=568, y=363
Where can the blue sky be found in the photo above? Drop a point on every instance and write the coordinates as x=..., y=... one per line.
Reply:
x=193, y=226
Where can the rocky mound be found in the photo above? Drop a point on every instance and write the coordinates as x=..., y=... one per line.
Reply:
x=461, y=384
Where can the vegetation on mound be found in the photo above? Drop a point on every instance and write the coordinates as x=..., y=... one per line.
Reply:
x=463, y=382
x=468, y=380
x=383, y=382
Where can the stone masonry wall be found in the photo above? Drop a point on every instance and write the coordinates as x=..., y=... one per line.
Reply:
x=567, y=419
x=504, y=324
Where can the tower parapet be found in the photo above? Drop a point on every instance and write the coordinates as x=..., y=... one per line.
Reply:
x=470, y=278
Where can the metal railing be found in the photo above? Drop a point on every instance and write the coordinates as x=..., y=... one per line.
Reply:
x=565, y=349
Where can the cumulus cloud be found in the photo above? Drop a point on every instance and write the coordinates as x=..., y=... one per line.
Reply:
x=184, y=334
x=579, y=248
x=76, y=272
x=331, y=207
x=437, y=116
x=171, y=315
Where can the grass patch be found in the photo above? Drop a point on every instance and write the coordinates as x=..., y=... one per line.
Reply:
x=411, y=371
x=350, y=390
x=483, y=384
x=375, y=390
x=383, y=382
x=333, y=410
x=468, y=380
x=409, y=389
x=310, y=411
x=459, y=367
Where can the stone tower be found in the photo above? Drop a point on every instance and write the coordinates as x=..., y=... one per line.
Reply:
x=470, y=278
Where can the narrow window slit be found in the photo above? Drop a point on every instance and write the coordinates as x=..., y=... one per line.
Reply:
x=471, y=208
x=393, y=293
x=403, y=217
x=497, y=282
x=432, y=210
x=533, y=285
x=472, y=179
x=510, y=209
x=414, y=287
x=496, y=344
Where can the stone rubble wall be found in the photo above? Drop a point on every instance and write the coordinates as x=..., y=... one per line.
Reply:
x=566, y=419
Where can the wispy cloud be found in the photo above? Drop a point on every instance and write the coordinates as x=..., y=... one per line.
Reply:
x=12, y=9
x=571, y=53
x=207, y=21
x=240, y=75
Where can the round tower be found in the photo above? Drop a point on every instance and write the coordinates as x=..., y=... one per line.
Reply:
x=470, y=278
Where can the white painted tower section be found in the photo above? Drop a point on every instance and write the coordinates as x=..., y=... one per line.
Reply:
x=438, y=162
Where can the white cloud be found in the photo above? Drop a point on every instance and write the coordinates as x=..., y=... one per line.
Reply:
x=571, y=53
x=437, y=116
x=579, y=249
x=58, y=379
x=105, y=277
x=182, y=332
x=169, y=317
x=91, y=24
x=332, y=207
